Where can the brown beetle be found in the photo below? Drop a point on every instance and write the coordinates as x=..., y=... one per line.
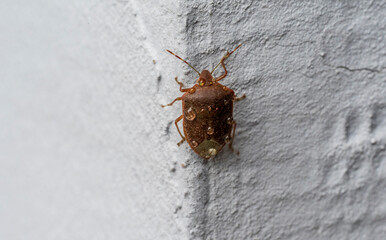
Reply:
x=207, y=111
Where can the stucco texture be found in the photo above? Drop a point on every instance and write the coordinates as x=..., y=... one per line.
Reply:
x=312, y=131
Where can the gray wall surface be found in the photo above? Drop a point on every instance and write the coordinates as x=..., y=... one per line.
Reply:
x=86, y=151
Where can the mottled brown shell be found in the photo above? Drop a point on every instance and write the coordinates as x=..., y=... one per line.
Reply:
x=208, y=116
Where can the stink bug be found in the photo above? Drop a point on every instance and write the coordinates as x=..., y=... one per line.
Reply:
x=207, y=111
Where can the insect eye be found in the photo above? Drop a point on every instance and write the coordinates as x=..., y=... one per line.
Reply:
x=202, y=83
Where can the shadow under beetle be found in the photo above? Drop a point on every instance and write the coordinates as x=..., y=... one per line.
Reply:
x=207, y=111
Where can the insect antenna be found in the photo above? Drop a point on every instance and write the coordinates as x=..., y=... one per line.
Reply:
x=183, y=61
x=226, y=56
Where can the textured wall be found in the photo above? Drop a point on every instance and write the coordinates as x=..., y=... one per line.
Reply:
x=87, y=153
x=312, y=131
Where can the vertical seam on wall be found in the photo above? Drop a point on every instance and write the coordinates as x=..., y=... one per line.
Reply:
x=198, y=179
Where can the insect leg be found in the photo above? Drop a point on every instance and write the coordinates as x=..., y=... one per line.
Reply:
x=233, y=136
x=176, y=122
x=181, y=85
x=177, y=99
x=236, y=99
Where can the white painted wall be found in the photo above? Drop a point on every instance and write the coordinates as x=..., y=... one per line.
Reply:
x=87, y=153
x=84, y=154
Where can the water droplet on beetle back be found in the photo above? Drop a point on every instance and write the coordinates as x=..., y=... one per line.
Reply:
x=210, y=130
x=190, y=114
x=194, y=144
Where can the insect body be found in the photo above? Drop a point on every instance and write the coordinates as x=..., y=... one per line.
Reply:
x=207, y=112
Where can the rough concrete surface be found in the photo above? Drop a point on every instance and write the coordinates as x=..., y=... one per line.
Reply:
x=87, y=152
